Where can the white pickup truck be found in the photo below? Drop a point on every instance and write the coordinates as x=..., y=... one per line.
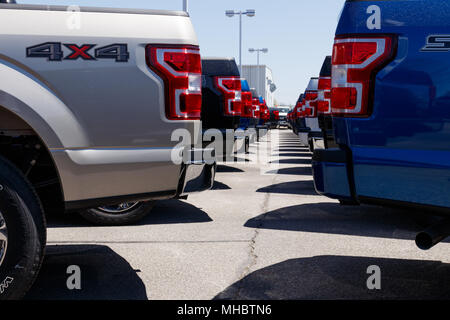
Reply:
x=89, y=101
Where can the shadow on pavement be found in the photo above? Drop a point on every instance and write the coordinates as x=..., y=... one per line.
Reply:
x=220, y=186
x=291, y=145
x=293, y=161
x=104, y=275
x=292, y=149
x=227, y=169
x=332, y=218
x=296, y=154
x=293, y=187
x=343, y=277
x=301, y=171
x=164, y=212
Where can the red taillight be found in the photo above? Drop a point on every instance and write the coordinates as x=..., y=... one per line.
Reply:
x=356, y=61
x=231, y=90
x=298, y=111
x=310, y=105
x=353, y=52
x=323, y=107
x=181, y=70
x=256, y=108
x=264, y=111
x=182, y=61
x=247, y=109
x=344, y=98
x=324, y=83
x=311, y=95
x=267, y=111
x=324, y=96
x=311, y=109
x=276, y=115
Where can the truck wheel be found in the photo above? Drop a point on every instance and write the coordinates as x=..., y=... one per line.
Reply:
x=22, y=233
x=117, y=215
x=247, y=145
x=311, y=145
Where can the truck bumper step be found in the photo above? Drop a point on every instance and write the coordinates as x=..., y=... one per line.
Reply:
x=330, y=170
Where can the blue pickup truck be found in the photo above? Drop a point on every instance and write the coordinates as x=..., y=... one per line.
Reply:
x=391, y=107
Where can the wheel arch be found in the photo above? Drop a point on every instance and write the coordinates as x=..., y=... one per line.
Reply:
x=28, y=105
x=12, y=125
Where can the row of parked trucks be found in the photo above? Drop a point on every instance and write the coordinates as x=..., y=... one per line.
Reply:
x=377, y=119
x=104, y=120
x=88, y=116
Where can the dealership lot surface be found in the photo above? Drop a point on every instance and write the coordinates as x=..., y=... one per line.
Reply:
x=259, y=234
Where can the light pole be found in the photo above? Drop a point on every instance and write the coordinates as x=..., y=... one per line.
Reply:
x=185, y=5
x=248, y=13
x=263, y=50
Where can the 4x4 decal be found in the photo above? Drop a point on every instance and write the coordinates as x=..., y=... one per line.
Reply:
x=79, y=52
x=53, y=51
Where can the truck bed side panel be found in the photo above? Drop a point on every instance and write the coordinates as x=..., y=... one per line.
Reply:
x=402, y=151
x=118, y=106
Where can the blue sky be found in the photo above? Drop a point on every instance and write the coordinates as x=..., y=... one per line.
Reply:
x=298, y=33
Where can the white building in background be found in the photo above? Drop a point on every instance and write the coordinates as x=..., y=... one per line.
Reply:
x=261, y=79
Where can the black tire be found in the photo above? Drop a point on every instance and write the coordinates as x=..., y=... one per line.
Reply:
x=101, y=217
x=25, y=223
x=247, y=145
x=311, y=145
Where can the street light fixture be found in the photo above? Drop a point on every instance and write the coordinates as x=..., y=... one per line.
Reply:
x=229, y=13
x=263, y=50
x=251, y=12
x=248, y=13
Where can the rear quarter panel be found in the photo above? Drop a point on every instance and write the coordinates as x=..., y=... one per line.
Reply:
x=402, y=151
x=118, y=106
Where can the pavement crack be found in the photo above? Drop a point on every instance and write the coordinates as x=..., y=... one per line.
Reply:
x=253, y=257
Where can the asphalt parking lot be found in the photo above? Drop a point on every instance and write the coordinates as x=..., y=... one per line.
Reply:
x=261, y=233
